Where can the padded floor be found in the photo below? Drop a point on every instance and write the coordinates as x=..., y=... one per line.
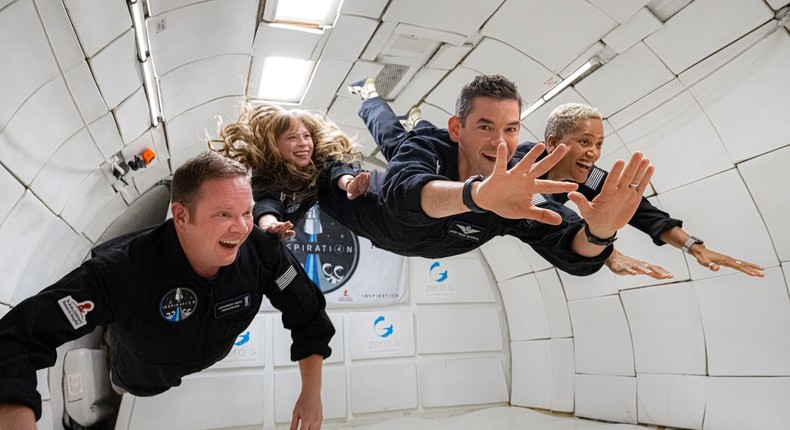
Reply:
x=499, y=418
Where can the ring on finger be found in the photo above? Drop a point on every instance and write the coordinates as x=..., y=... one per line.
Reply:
x=738, y=262
x=633, y=185
x=647, y=265
x=710, y=265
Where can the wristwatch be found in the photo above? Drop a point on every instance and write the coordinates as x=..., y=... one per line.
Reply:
x=466, y=195
x=692, y=240
x=595, y=240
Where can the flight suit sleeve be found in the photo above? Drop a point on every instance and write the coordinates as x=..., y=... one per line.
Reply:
x=415, y=164
x=554, y=242
x=302, y=304
x=31, y=331
x=267, y=201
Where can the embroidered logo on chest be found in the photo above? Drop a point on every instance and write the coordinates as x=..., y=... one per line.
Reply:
x=177, y=305
x=466, y=231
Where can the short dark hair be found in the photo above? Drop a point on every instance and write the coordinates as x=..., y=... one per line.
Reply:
x=493, y=86
x=188, y=178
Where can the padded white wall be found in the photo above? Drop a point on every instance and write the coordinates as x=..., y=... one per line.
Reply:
x=687, y=352
x=699, y=86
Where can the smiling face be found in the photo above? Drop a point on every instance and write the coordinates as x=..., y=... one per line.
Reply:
x=219, y=221
x=584, y=142
x=296, y=144
x=490, y=122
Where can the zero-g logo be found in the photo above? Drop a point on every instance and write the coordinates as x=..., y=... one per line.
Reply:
x=440, y=276
x=383, y=331
x=244, y=350
x=436, y=275
x=327, y=249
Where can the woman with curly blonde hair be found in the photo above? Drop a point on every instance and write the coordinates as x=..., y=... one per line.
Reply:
x=288, y=151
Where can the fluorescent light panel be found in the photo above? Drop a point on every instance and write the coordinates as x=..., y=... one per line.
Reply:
x=319, y=12
x=567, y=81
x=284, y=79
x=532, y=107
x=138, y=22
x=571, y=79
x=152, y=91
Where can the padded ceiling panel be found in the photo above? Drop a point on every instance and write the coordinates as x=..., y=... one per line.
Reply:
x=24, y=144
x=634, y=73
x=553, y=33
x=24, y=227
x=325, y=83
x=753, y=89
x=493, y=56
x=618, y=9
x=442, y=14
x=117, y=70
x=201, y=81
x=12, y=191
x=22, y=38
x=368, y=8
x=213, y=28
x=668, y=131
x=63, y=173
x=115, y=20
x=61, y=33
x=86, y=94
x=711, y=24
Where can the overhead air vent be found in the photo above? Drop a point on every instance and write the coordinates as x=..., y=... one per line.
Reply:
x=403, y=50
x=389, y=78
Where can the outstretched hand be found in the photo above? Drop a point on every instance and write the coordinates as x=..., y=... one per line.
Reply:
x=283, y=230
x=714, y=260
x=358, y=185
x=508, y=193
x=623, y=265
x=619, y=198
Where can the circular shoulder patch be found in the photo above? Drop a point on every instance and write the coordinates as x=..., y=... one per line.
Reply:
x=177, y=305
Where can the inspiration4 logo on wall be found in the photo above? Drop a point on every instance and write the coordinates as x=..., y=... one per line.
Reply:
x=327, y=249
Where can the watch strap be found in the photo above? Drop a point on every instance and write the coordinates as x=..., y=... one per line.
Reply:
x=595, y=240
x=466, y=194
x=692, y=240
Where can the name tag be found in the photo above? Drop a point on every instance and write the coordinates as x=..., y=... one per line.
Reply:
x=232, y=306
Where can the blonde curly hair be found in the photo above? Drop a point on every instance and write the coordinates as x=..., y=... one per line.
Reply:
x=252, y=141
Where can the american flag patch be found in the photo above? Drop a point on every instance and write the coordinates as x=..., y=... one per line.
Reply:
x=285, y=279
x=594, y=180
x=538, y=199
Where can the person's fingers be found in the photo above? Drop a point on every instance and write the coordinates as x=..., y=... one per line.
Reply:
x=525, y=164
x=546, y=186
x=545, y=216
x=613, y=179
x=712, y=265
x=645, y=180
x=547, y=163
x=580, y=201
x=501, y=159
x=627, y=177
x=750, y=269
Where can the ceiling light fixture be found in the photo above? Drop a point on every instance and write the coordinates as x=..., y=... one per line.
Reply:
x=150, y=83
x=573, y=78
x=284, y=79
x=310, y=12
